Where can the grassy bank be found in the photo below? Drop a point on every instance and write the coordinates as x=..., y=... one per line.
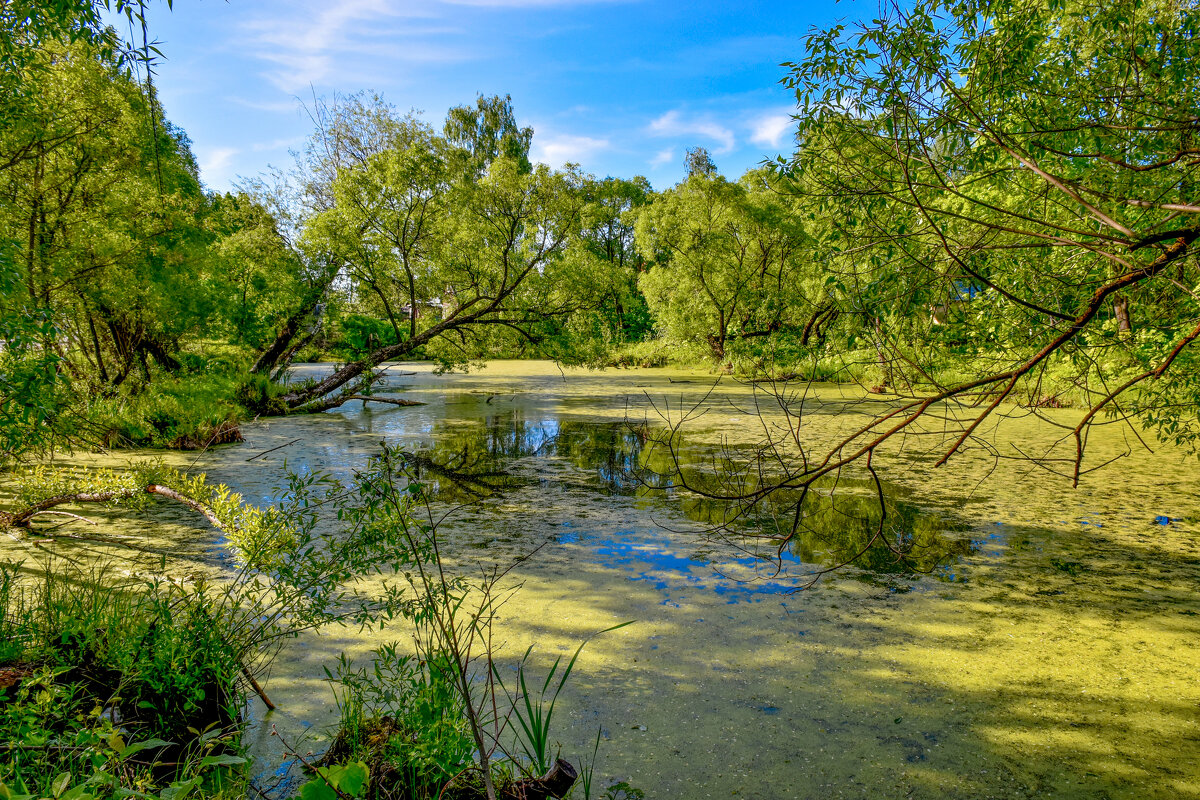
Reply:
x=137, y=687
x=114, y=689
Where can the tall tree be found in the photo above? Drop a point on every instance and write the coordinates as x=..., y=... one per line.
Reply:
x=621, y=314
x=488, y=131
x=456, y=240
x=99, y=204
x=1034, y=165
x=727, y=260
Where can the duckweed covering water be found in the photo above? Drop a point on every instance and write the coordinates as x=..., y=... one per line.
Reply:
x=1036, y=640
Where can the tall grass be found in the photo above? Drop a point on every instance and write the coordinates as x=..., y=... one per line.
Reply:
x=112, y=687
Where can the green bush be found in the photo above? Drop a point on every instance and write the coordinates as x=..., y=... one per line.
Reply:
x=113, y=688
x=261, y=397
x=403, y=718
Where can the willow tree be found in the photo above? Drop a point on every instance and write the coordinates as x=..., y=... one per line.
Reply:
x=453, y=238
x=1026, y=173
x=728, y=261
x=493, y=271
x=1037, y=162
x=102, y=259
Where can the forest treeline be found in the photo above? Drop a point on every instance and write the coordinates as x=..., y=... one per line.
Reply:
x=985, y=202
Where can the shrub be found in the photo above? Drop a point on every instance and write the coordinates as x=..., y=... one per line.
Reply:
x=260, y=396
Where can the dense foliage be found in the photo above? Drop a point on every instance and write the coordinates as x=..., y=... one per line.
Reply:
x=987, y=199
x=987, y=203
x=1011, y=184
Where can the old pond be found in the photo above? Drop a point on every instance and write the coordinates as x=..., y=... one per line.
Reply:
x=1039, y=641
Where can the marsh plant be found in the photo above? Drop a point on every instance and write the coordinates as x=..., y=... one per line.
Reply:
x=110, y=688
x=438, y=720
x=173, y=661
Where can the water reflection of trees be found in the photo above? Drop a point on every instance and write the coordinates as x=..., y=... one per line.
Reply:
x=476, y=459
x=844, y=520
x=840, y=529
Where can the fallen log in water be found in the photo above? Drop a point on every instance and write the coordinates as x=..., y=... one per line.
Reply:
x=334, y=402
x=392, y=400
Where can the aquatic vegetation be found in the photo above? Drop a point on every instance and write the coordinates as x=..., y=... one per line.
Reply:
x=533, y=709
x=110, y=687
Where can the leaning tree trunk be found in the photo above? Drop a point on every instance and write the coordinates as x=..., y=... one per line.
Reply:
x=159, y=351
x=281, y=347
x=353, y=373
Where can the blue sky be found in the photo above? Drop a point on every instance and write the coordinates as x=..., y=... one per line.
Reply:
x=621, y=88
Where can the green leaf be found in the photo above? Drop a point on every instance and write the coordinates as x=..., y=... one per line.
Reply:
x=317, y=789
x=178, y=791
x=221, y=761
x=138, y=747
x=13, y=793
x=79, y=792
x=350, y=778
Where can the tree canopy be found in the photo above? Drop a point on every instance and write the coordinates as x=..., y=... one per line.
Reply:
x=987, y=203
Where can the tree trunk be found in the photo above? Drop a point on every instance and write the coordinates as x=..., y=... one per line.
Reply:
x=270, y=357
x=96, y=344
x=286, y=360
x=1121, y=310
x=155, y=348
x=350, y=372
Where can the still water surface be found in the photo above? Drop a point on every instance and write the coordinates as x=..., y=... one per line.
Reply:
x=1039, y=641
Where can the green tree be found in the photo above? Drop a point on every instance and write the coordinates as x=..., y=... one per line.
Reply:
x=488, y=131
x=253, y=271
x=608, y=246
x=728, y=260
x=1032, y=165
x=98, y=212
x=461, y=266
x=1022, y=174
x=393, y=208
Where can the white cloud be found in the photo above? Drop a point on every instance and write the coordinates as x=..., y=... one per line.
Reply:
x=321, y=41
x=673, y=124
x=214, y=163
x=273, y=107
x=563, y=148
x=665, y=156
x=770, y=129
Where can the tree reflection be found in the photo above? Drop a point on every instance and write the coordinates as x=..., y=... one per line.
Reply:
x=842, y=520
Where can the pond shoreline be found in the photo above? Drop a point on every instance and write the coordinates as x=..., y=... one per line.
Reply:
x=1053, y=658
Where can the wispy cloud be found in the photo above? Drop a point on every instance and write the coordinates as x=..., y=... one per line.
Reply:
x=770, y=129
x=674, y=124
x=321, y=41
x=270, y=106
x=214, y=163
x=662, y=157
x=564, y=148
